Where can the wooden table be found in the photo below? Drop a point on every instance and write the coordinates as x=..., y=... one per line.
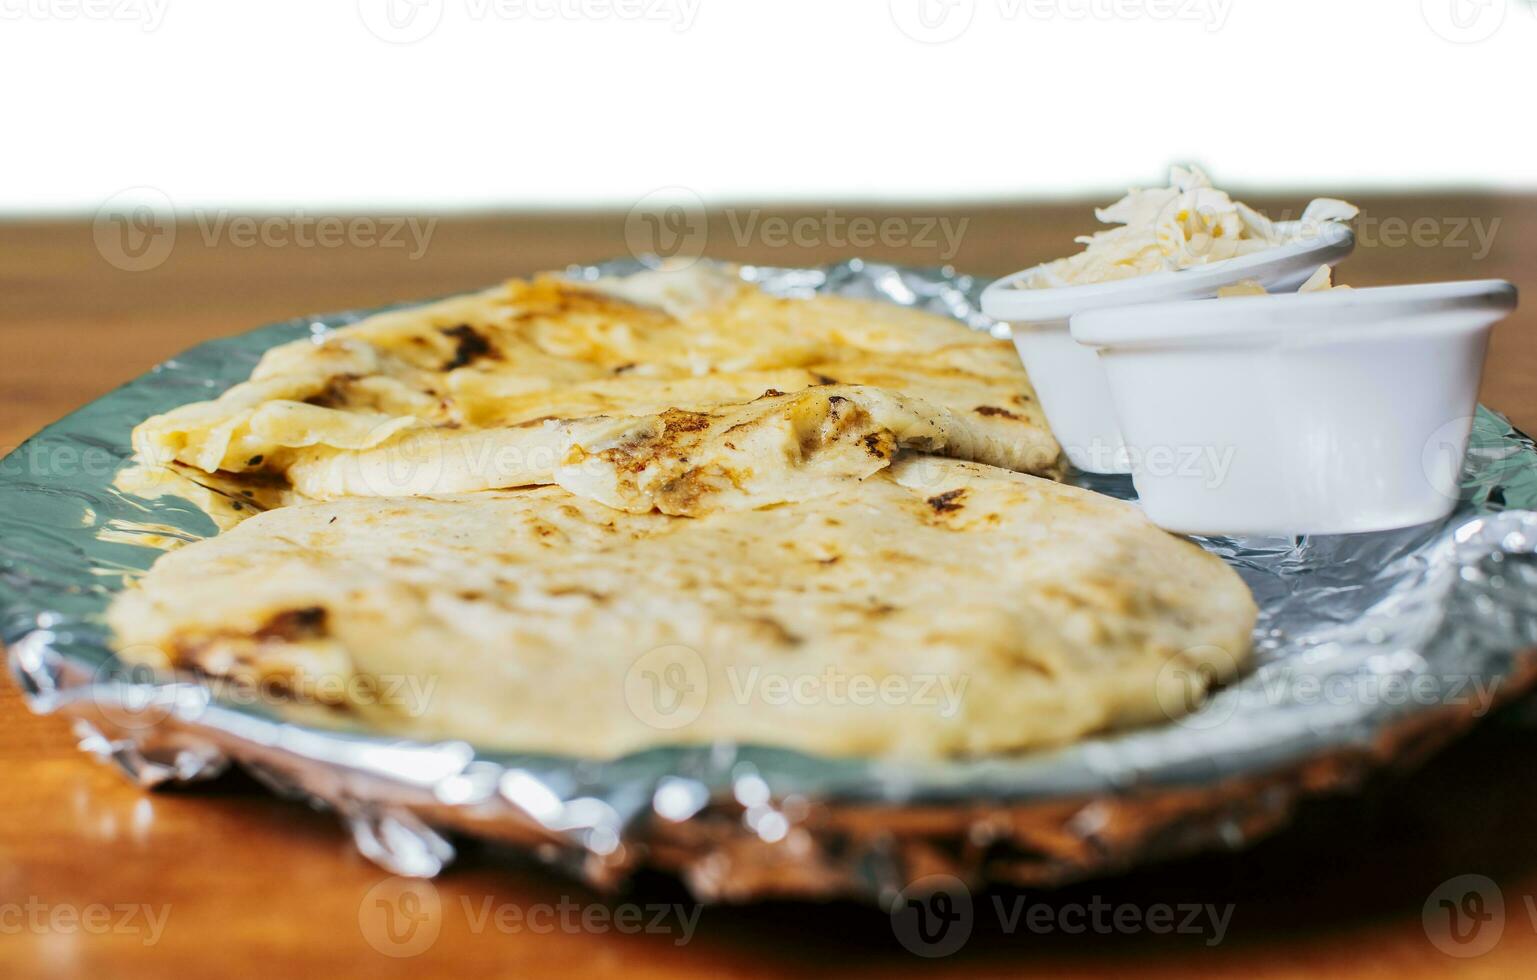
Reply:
x=100, y=880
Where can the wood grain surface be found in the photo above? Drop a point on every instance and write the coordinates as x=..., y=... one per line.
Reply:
x=98, y=879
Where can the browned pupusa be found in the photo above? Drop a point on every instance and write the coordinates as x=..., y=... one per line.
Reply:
x=728, y=520
x=933, y=608
x=374, y=408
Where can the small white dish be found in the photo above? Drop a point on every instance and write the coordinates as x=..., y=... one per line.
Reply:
x=1312, y=413
x=1068, y=377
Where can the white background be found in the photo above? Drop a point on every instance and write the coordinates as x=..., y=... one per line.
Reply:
x=279, y=104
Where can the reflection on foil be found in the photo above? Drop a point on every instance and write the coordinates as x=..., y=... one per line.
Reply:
x=1372, y=650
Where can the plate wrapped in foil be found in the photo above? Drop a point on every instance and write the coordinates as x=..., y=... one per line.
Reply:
x=1371, y=650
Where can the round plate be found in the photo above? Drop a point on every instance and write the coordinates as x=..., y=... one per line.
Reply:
x=1370, y=649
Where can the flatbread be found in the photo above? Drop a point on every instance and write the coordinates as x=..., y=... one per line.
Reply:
x=932, y=608
x=466, y=386
x=774, y=448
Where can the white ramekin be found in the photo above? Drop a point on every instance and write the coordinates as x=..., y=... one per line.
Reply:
x=1068, y=378
x=1316, y=413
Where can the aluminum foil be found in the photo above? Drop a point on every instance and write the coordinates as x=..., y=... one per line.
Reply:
x=1372, y=650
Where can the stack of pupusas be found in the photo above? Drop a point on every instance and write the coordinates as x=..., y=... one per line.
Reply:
x=593, y=517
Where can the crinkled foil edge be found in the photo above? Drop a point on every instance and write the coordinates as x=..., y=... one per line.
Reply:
x=743, y=823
